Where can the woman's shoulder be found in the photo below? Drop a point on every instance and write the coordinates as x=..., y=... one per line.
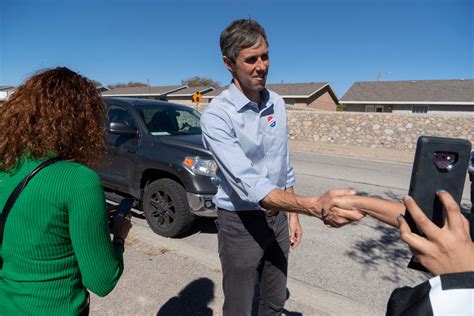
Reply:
x=76, y=170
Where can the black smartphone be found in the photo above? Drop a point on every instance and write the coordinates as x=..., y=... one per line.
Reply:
x=123, y=208
x=440, y=163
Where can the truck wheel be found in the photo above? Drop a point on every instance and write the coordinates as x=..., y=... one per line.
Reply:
x=166, y=208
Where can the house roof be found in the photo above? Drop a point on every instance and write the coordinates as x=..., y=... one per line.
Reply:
x=285, y=90
x=187, y=92
x=214, y=93
x=7, y=87
x=102, y=88
x=411, y=92
x=296, y=90
x=143, y=91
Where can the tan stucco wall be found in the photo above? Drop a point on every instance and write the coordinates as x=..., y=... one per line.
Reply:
x=319, y=101
x=323, y=102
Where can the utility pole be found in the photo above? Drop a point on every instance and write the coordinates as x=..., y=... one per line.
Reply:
x=379, y=75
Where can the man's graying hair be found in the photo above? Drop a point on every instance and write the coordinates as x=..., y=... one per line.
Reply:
x=240, y=34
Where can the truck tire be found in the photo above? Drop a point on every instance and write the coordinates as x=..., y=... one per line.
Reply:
x=166, y=208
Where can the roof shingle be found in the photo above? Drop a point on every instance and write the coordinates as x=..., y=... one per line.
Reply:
x=411, y=91
x=128, y=91
x=190, y=91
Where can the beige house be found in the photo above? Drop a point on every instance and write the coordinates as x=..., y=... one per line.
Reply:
x=158, y=93
x=314, y=95
x=175, y=94
x=412, y=96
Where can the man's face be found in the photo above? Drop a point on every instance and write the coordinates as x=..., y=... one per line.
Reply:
x=250, y=69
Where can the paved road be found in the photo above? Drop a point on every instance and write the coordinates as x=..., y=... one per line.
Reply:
x=351, y=270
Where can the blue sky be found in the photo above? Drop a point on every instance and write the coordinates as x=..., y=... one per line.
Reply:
x=164, y=42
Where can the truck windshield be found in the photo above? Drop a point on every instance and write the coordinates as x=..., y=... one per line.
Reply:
x=170, y=120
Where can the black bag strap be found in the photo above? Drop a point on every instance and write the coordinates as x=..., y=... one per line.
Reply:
x=11, y=200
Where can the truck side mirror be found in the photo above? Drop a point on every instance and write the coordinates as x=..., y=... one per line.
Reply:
x=122, y=129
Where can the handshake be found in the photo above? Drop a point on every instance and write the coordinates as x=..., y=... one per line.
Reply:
x=446, y=249
x=335, y=208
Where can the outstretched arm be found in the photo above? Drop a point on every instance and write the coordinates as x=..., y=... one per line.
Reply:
x=312, y=205
x=383, y=210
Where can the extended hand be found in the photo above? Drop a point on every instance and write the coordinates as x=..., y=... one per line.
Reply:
x=344, y=213
x=444, y=250
x=122, y=226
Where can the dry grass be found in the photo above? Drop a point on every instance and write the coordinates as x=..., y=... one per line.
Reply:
x=157, y=251
x=131, y=239
x=164, y=250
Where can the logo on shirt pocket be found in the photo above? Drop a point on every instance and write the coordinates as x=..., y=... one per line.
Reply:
x=271, y=121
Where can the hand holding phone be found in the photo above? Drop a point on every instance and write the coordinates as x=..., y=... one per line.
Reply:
x=440, y=163
x=122, y=209
x=443, y=250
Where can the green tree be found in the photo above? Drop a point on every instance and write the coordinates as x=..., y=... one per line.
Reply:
x=341, y=108
x=199, y=81
x=127, y=85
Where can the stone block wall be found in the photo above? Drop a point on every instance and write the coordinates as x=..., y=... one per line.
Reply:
x=375, y=130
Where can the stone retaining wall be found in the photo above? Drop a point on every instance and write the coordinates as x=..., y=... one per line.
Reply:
x=380, y=130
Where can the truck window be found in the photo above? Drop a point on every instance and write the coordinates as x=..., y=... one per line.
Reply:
x=116, y=114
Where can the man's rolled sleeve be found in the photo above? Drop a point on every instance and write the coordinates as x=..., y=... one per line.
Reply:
x=237, y=169
x=260, y=191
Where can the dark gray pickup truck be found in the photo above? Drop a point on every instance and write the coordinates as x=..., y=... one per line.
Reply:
x=155, y=154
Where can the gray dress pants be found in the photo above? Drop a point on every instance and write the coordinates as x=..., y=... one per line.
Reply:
x=253, y=248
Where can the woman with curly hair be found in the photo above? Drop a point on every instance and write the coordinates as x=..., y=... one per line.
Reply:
x=56, y=242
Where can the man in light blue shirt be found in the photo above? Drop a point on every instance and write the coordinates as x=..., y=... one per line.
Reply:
x=245, y=128
x=250, y=143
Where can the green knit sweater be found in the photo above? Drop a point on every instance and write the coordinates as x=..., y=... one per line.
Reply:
x=56, y=241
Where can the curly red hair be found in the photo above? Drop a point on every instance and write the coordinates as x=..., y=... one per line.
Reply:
x=56, y=110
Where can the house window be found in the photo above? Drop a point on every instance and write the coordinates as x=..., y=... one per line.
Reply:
x=374, y=108
x=419, y=109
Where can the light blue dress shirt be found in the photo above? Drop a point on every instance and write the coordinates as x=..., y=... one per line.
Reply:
x=250, y=146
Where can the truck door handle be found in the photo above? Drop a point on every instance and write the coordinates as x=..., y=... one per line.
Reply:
x=131, y=151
